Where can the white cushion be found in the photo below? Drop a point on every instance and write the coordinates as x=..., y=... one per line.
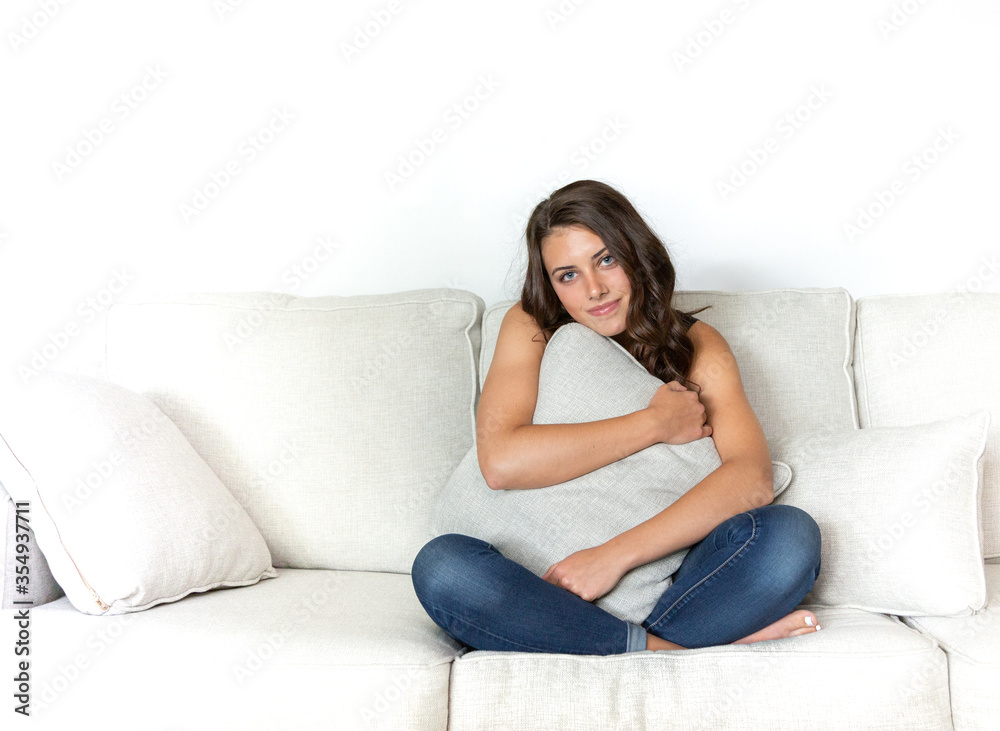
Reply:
x=862, y=671
x=310, y=649
x=973, y=648
x=126, y=512
x=924, y=357
x=333, y=420
x=794, y=348
x=898, y=508
x=586, y=377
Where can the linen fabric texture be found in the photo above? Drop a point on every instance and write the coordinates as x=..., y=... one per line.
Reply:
x=907, y=346
x=794, y=348
x=125, y=511
x=333, y=420
x=585, y=376
x=973, y=646
x=899, y=511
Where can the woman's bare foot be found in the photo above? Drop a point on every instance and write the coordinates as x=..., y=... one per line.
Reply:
x=799, y=622
x=657, y=643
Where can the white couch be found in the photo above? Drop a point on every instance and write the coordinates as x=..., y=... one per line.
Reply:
x=334, y=421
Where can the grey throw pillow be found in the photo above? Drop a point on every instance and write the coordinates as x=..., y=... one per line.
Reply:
x=586, y=376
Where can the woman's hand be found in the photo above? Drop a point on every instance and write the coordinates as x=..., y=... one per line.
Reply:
x=678, y=414
x=590, y=573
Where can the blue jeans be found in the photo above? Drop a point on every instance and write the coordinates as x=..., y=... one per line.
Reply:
x=749, y=572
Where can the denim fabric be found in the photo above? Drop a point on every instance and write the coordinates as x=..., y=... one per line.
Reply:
x=750, y=571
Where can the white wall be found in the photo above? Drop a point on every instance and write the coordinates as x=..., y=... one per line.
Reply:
x=557, y=82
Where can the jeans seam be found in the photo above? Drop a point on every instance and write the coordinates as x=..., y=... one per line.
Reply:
x=753, y=534
x=532, y=648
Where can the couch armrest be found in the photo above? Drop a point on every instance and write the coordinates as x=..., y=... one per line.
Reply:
x=42, y=587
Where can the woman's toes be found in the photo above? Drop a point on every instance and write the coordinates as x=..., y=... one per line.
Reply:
x=808, y=619
x=806, y=623
x=811, y=624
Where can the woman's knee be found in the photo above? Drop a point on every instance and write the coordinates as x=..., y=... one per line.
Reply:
x=442, y=562
x=797, y=540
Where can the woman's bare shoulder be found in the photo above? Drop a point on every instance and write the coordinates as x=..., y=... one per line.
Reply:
x=520, y=341
x=517, y=318
x=712, y=354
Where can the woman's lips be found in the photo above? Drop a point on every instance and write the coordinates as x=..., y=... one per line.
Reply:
x=605, y=309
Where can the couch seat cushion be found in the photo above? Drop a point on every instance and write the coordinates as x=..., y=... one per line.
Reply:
x=794, y=348
x=862, y=670
x=308, y=649
x=973, y=647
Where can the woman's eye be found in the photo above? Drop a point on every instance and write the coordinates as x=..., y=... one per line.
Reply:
x=562, y=277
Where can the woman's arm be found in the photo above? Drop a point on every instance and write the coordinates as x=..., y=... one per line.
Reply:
x=743, y=482
x=515, y=454
x=540, y=455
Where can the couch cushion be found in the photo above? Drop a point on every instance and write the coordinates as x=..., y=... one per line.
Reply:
x=861, y=671
x=125, y=511
x=895, y=505
x=973, y=648
x=585, y=376
x=306, y=650
x=794, y=348
x=333, y=420
x=923, y=357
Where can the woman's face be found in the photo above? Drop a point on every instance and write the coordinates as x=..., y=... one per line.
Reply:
x=585, y=276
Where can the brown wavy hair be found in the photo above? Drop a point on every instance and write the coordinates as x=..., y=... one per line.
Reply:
x=657, y=331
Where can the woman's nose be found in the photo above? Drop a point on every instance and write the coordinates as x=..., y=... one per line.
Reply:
x=596, y=287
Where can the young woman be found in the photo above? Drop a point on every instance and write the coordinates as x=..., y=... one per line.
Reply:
x=593, y=259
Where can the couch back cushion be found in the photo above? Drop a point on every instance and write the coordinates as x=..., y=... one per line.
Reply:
x=925, y=357
x=794, y=348
x=334, y=421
